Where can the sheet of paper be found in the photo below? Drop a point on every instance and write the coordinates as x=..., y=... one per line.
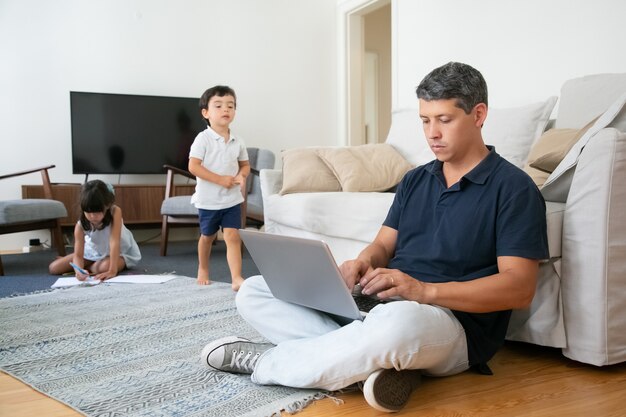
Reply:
x=141, y=279
x=73, y=281
x=65, y=282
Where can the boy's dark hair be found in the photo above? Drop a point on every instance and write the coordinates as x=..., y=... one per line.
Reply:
x=218, y=90
x=454, y=80
x=95, y=197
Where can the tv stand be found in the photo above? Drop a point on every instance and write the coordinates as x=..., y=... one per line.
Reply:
x=140, y=203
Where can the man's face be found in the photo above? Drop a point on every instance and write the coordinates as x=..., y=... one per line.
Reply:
x=449, y=130
x=220, y=111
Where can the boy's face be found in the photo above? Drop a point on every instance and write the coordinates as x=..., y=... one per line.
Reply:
x=220, y=112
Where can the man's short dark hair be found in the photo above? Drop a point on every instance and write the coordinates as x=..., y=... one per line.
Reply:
x=454, y=80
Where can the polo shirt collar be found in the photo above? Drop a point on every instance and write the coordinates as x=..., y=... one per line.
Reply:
x=216, y=136
x=478, y=174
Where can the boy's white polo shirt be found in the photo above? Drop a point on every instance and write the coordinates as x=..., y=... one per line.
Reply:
x=222, y=158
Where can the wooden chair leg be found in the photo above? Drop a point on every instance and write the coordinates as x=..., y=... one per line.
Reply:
x=57, y=237
x=165, y=228
x=1, y=267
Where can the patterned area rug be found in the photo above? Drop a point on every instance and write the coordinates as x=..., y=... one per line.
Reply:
x=134, y=350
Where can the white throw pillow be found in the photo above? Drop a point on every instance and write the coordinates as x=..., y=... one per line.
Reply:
x=513, y=131
x=407, y=137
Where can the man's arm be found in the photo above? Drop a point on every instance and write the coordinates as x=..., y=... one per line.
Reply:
x=511, y=288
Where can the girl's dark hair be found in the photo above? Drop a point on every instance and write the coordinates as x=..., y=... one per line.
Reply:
x=218, y=90
x=96, y=197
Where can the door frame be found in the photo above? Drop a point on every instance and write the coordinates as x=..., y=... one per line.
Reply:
x=351, y=62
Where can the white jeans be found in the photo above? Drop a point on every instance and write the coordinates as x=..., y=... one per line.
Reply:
x=313, y=351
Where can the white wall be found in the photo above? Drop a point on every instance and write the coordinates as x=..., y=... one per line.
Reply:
x=278, y=55
x=524, y=49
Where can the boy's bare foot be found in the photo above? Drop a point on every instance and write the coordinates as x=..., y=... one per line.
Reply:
x=237, y=283
x=203, y=278
x=203, y=281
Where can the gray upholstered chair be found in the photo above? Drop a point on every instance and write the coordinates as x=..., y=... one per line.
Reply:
x=33, y=213
x=259, y=159
x=177, y=210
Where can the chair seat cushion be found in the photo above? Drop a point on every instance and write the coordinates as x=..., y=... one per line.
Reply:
x=178, y=206
x=31, y=209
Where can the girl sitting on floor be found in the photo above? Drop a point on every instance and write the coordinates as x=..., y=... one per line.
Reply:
x=103, y=246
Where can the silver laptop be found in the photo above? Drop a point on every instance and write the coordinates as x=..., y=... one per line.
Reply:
x=303, y=271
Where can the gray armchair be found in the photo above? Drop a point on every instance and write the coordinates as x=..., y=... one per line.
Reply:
x=176, y=209
x=33, y=213
x=259, y=159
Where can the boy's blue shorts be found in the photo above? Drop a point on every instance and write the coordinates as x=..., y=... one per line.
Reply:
x=211, y=220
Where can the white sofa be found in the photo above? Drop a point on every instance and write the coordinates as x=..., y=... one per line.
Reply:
x=580, y=304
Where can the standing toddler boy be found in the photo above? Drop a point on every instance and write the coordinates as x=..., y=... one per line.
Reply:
x=219, y=160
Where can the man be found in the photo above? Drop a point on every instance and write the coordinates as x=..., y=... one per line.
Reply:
x=461, y=244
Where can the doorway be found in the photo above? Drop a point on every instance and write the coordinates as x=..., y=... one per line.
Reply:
x=365, y=85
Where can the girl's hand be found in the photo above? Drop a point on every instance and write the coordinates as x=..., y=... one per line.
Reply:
x=106, y=275
x=81, y=277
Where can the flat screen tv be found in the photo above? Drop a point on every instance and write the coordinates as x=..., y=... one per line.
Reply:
x=131, y=134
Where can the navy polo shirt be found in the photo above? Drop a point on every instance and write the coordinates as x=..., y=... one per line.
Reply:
x=457, y=233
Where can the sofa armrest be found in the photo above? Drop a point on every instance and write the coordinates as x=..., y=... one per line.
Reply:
x=271, y=181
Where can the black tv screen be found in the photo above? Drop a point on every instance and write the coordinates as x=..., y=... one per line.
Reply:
x=131, y=134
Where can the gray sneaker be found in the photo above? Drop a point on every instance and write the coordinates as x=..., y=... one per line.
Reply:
x=389, y=390
x=233, y=354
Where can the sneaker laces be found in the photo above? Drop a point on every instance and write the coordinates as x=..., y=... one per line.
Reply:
x=245, y=361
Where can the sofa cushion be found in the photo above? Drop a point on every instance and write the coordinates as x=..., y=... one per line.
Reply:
x=514, y=130
x=554, y=221
x=584, y=98
x=376, y=167
x=305, y=172
x=341, y=214
x=511, y=130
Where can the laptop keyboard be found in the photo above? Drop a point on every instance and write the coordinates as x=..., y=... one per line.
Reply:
x=366, y=303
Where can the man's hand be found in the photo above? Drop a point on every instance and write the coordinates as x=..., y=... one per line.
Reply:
x=387, y=283
x=353, y=270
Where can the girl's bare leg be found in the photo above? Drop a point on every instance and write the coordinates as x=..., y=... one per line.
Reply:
x=103, y=264
x=61, y=265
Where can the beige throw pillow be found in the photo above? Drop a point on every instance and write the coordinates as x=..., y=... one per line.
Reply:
x=376, y=167
x=549, y=151
x=305, y=172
